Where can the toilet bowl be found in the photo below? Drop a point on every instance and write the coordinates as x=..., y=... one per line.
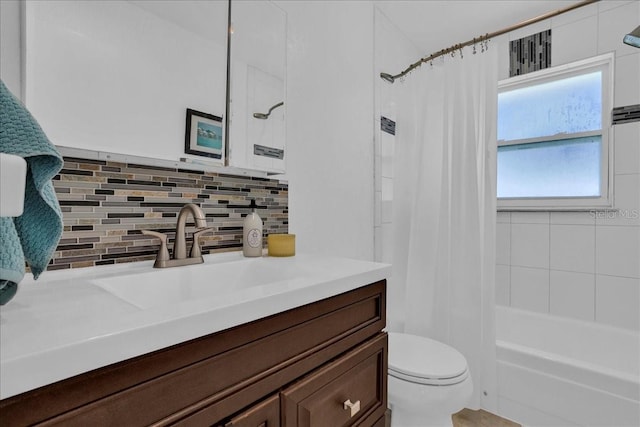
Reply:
x=428, y=381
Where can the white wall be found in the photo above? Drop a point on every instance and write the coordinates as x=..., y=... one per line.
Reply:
x=393, y=52
x=330, y=126
x=10, y=42
x=582, y=265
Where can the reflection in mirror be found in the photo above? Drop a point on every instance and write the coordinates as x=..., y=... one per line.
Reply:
x=118, y=75
x=257, y=94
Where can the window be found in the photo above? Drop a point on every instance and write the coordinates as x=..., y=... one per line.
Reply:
x=553, y=138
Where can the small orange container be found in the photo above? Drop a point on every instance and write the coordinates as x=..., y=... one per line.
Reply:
x=281, y=244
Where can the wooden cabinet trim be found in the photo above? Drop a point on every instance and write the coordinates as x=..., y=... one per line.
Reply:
x=265, y=413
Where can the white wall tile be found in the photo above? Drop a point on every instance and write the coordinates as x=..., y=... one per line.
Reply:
x=530, y=217
x=617, y=301
x=572, y=248
x=503, y=284
x=503, y=245
x=530, y=245
x=530, y=289
x=387, y=188
x=572, y=294
x=377, y=166
x=618, y=251
x=573, y=218
x=612, y=4
x=388, y=107
x=502, y=44
x=386, y=211
x=503, y=217
x=614, y=24
x=387, y=243
x=627, y=203
x=386, y=163
x=377, y=236
x=627, y=83
x=377, y=209
x=530, y=30
x=627, y=147
x=575, y=15
x=563, y=38
x=386, y=153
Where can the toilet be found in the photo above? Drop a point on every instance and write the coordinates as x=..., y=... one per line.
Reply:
x=428, y=381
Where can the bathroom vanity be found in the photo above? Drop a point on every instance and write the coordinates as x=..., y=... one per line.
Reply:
x=303, y=349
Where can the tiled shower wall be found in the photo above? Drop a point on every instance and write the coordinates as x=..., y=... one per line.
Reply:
x=106, y=204
x=583, y=265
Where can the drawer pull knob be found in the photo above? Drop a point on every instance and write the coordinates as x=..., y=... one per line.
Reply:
x=353, y=407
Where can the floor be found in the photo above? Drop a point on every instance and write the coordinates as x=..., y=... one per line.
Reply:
x=480, y=418
x=469, y=418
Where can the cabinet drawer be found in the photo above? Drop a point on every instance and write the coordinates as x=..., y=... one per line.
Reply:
x=357, y=379
x=264, y=414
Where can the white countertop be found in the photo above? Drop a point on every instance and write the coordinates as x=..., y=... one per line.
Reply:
x=73, y=321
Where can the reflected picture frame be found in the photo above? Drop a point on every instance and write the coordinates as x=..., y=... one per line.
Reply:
x=204, y=136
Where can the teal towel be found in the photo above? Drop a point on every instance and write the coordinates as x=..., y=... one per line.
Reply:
x=33, y=236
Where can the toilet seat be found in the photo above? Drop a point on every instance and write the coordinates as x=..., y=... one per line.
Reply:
x=425, y=361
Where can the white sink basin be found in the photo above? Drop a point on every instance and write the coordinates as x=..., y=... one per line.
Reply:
x=166, y=286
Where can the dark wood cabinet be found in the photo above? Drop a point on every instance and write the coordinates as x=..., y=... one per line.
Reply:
x=293, y=368
x=264, y=414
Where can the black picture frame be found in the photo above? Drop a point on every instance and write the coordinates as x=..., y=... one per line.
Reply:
x=204, y=135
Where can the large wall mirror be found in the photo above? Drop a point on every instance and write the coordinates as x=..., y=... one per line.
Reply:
x=117, y=76
x=257, y=85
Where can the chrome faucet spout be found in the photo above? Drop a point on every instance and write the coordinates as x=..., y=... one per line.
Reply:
x=180, y=248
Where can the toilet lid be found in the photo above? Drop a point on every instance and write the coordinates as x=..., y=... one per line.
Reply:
x=425, y=361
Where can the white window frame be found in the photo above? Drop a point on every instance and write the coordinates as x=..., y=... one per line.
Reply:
x=604, y=63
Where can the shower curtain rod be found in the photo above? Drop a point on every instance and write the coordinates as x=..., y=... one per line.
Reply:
x=483, y=39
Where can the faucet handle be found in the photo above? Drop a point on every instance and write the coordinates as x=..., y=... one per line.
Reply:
x=163, y=252
x=195, y=248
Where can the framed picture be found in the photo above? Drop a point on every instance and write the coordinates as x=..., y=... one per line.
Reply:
x=203, y=135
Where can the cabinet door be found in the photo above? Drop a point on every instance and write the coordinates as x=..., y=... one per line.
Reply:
x=264, y=414
x=347, y=392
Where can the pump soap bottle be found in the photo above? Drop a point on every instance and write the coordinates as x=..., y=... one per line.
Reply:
x=252, y=233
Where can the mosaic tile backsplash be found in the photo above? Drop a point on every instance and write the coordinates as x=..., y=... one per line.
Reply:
x=106, y=204
x=530, y=53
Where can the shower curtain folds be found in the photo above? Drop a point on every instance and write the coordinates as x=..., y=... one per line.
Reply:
x=445, y=208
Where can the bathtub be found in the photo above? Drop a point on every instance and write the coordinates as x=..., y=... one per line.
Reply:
x=554, y=371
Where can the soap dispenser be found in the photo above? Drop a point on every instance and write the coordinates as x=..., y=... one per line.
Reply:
x=252, y=233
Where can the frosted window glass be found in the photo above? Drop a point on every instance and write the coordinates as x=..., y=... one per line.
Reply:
x=567, y=168
x=568, y=105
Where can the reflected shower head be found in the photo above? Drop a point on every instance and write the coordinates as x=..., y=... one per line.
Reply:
x=387, y=77
x=265, y=116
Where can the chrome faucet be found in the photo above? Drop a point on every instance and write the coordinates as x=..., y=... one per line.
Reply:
x=163, y=259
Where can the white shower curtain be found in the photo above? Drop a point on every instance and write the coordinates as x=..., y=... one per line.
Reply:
x=445, y=209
